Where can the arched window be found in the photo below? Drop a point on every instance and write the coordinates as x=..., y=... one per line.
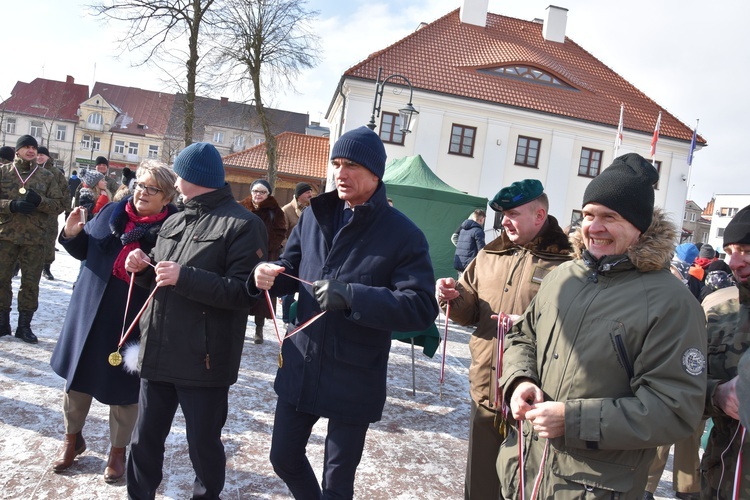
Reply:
x=529, y=73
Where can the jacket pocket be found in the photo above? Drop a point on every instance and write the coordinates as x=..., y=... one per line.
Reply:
x=622, y=353
x=594, y=473
x=361, y=355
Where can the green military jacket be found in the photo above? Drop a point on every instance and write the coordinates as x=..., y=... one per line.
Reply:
x=621, y=342
x=728, y=325
x=31, y=229
x=63, y=183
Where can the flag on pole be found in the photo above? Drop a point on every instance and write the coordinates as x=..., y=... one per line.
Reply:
x=692, y=144
x=655, y=137
x=618, y=137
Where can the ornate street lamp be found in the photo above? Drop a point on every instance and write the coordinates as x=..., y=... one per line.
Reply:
x=406, y=113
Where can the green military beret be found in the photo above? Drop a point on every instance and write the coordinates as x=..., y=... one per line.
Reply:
x=517, y=194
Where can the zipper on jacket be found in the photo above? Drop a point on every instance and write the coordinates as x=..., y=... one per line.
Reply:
x=207, y=359
x=623, y=355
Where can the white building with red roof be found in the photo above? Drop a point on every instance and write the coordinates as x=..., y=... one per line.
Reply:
x=503, y=99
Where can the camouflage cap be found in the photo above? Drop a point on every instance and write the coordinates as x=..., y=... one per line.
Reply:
x=517, y=194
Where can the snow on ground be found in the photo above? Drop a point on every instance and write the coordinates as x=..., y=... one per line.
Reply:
x=417, y=451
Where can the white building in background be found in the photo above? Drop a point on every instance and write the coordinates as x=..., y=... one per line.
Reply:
x=502, y=99
x=726, y=207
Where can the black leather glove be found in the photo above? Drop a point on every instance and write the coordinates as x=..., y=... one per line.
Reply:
x=33, y=198
x=21, y=206
x=333, y=295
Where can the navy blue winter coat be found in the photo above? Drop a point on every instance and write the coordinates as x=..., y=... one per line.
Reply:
x=337, y=366
x=93, y=323
x=470, y=242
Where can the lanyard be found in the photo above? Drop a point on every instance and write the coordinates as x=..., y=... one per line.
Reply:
x=445, y=345
x=293, y=332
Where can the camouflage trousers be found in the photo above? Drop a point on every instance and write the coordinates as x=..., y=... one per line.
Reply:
x=49, y=243
x=31, y=260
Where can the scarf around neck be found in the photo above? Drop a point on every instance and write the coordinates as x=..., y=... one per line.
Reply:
x=135, y=228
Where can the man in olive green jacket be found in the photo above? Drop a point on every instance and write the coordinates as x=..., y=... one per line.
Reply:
x=503, y=277
x=44, y=160
x=728, y=339
x=29, y=195
x=608, y=362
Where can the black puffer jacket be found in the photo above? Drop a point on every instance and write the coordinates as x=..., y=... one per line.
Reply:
x=192, y=333
x=470, y=242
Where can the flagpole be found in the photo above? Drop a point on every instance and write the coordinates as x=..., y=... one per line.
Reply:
x=618, y=136
x=690, y=154
x=655, y=138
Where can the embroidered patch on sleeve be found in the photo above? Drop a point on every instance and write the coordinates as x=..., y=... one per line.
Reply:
x=259, y=253
x=693, y=361
x=539, y=274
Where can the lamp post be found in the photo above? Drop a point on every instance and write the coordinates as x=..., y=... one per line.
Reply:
x=406, y=113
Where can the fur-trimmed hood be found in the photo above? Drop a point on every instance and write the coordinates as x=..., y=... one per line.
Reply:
x=651, y=252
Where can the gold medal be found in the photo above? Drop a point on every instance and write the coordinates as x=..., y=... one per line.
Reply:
x=281, y=360
x=115, y=358
x=22, y=190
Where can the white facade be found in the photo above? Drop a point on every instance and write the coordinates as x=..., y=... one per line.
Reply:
x=725, y=208
x=492, y=164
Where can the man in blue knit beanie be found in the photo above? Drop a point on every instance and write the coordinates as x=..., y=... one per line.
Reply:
x=193, y=330
x=371, y=275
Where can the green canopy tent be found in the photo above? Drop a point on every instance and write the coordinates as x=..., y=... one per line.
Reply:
x=434, y=206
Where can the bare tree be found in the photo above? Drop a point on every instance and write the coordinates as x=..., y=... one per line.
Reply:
x=155, y=26
x=265, y=44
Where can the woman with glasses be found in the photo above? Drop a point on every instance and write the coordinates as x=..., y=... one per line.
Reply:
x=261, y=203
x=95, y=319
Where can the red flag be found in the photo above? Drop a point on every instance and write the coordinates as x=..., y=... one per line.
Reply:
x=618, y=137
x=656, y=136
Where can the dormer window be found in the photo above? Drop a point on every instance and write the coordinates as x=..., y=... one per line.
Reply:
x=528, y=73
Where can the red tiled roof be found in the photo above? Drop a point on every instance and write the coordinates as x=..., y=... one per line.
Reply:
x=47, y=99
x=142, y=112
x=444, y=56
x=298, y=154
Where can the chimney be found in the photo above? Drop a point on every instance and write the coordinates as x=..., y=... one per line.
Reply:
x=554, y=24
x=224, y=101
x=70, y=80
x=474, y=12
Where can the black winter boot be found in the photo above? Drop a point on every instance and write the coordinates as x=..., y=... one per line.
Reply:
x=5, y=323
x=23, y=331
x=47, y=273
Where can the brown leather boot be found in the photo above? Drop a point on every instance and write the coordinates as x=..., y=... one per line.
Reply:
x=73, y=445
x=115, y=465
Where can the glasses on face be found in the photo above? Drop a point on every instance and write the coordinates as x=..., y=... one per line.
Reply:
x=151, y=190
x=258, y=191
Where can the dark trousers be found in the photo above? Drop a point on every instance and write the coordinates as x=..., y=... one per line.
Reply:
x=343, y=451
x=205, y=410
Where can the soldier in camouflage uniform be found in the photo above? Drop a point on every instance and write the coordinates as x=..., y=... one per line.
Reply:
x=28, y=197
x=44, y=161
x=728, y=339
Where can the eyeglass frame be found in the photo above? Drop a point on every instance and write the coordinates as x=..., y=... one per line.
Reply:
x=150, y=190
x=255, y=191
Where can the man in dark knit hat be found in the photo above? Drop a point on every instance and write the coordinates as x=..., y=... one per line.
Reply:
x=7, y=155
x=292, y=210
x=609, y=360
x=371, y=275
x=44, y=160
x=728, y=318
x=504, y=277
x=193, y=330
x=29, y=197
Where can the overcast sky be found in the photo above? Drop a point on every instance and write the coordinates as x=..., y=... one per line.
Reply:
x=689, y=56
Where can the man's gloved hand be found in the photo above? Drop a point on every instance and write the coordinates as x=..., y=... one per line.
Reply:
x=33, y=198
x=333, y=295
x=21, y=206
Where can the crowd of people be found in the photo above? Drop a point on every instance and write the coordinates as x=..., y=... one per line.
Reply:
x=594, y=350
